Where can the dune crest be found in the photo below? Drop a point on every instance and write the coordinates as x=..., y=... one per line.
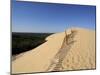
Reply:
x=70, y=50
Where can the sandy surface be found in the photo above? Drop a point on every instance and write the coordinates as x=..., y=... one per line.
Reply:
x=82, y=53
x=61, y=52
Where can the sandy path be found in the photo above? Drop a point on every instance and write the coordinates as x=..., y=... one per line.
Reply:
x=56, y=63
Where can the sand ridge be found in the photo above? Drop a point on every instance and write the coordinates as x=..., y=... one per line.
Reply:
x=56, y=63
x=80, y=55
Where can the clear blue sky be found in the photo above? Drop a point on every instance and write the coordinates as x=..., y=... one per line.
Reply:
x=43, y=17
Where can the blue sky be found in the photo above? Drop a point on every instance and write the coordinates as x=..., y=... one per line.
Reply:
x=46, y=17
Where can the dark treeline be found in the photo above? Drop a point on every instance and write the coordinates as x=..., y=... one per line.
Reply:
x=22, y=42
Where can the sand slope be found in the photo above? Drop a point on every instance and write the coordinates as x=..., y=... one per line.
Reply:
x=82, y=53
x=77, y=55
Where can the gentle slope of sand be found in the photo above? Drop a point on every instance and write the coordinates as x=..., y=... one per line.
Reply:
x=80, y=55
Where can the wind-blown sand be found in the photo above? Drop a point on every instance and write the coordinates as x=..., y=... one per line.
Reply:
x=72, y=50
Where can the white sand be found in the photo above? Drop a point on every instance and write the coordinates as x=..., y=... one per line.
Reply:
x=81, y=55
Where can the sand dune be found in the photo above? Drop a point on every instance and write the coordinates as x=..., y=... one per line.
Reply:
x=70, y=50
x=82, y=53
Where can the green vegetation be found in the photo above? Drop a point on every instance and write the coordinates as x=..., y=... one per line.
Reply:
x=22, y=42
